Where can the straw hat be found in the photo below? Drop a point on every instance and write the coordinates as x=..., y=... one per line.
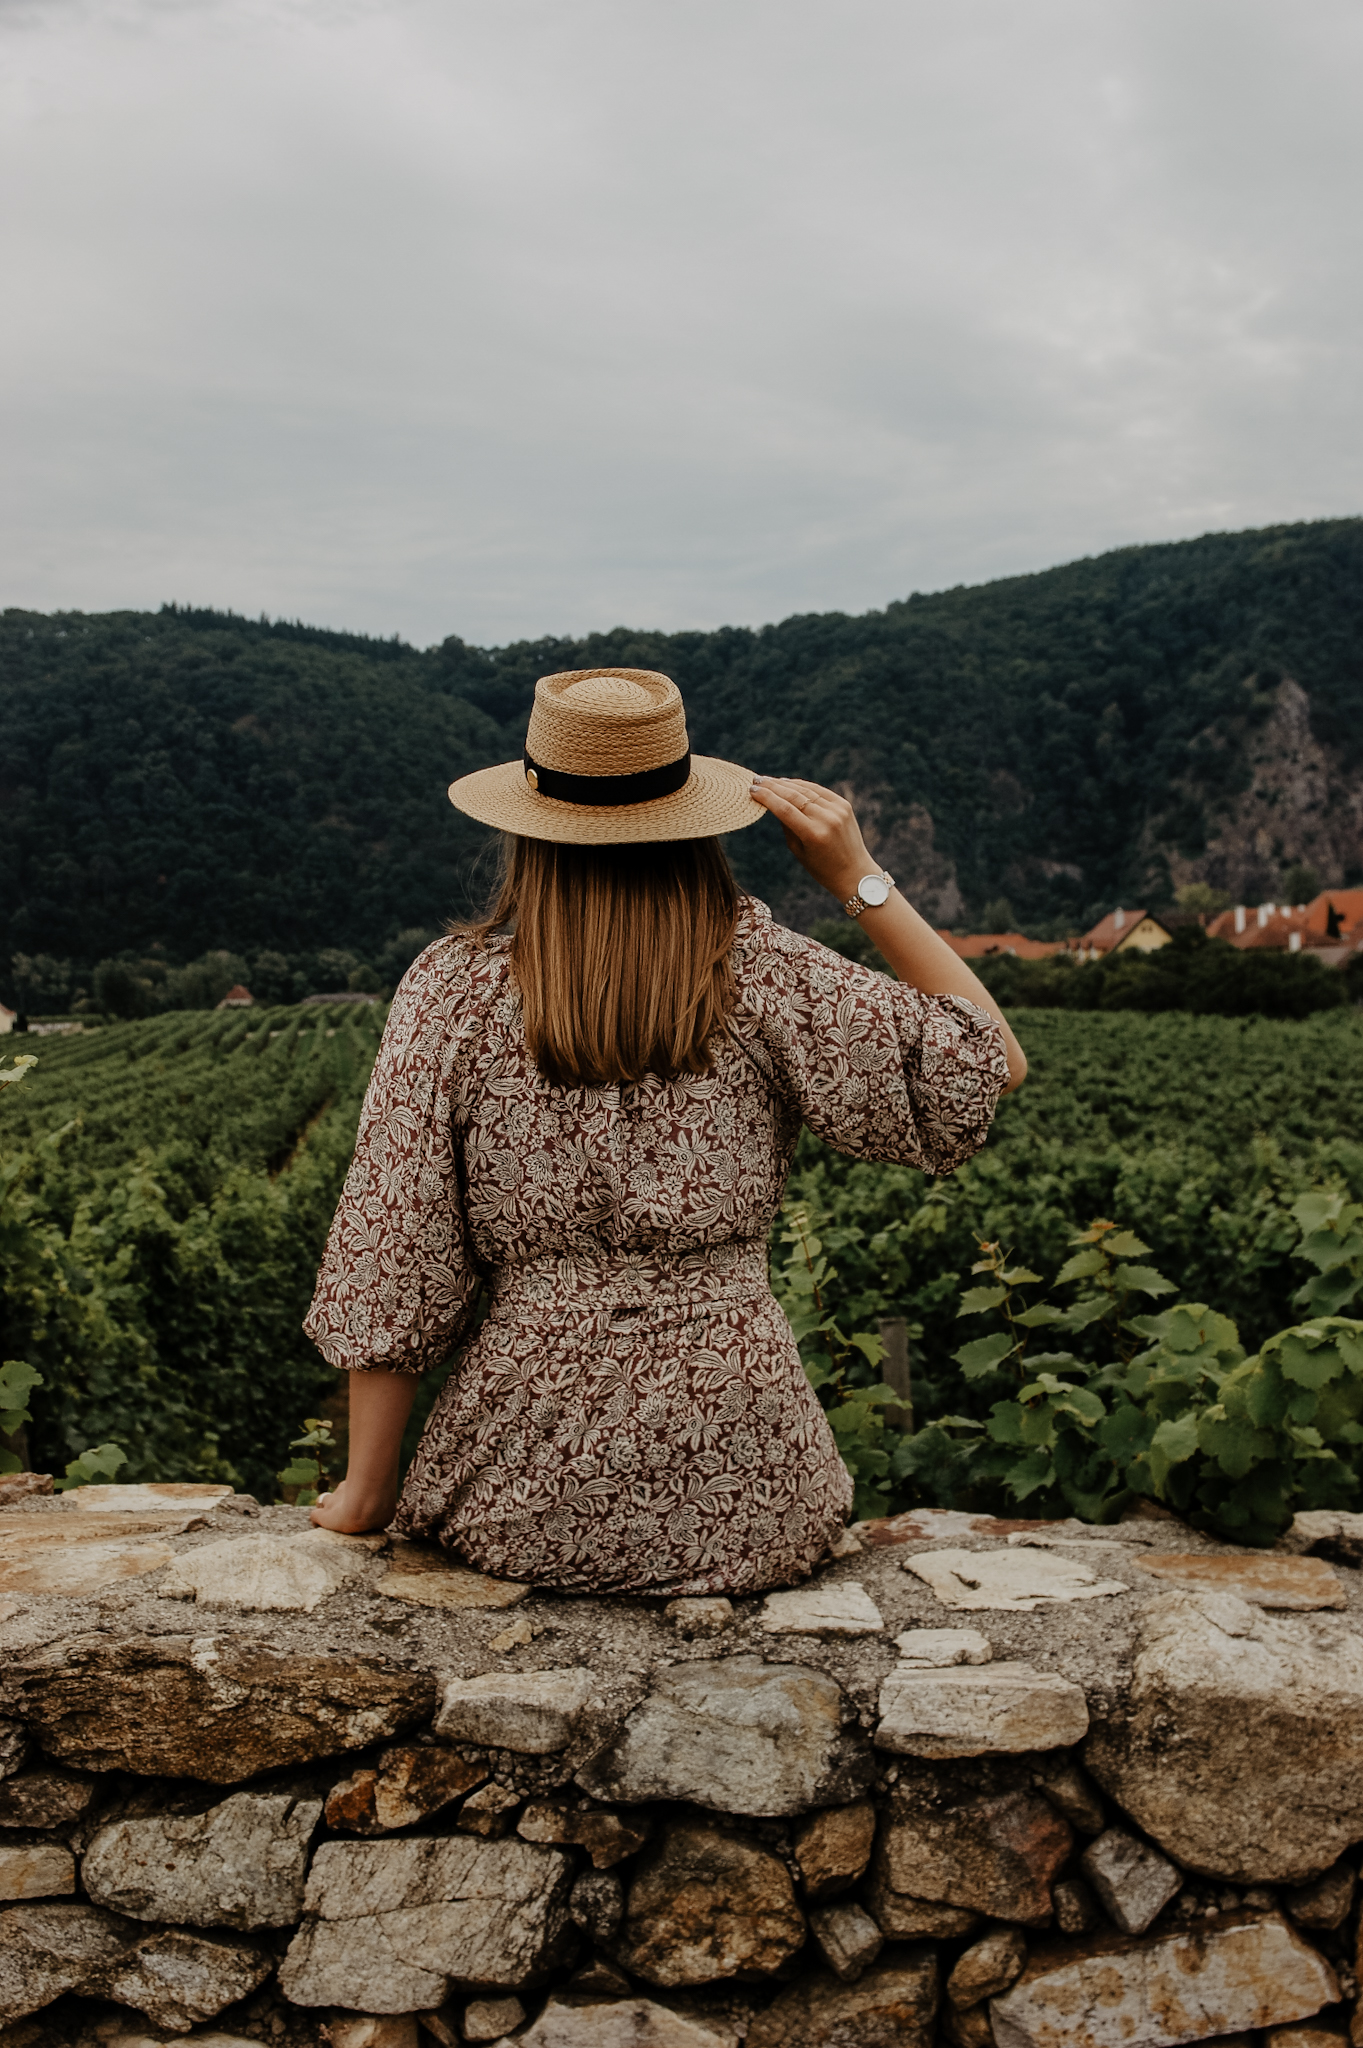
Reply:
x=606, y=761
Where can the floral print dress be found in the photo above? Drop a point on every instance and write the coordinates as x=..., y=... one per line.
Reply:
x=632, y=1414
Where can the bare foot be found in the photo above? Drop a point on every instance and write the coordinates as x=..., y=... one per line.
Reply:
x=352, y=1513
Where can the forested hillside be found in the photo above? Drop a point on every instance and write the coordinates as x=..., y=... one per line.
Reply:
x=1100, y=732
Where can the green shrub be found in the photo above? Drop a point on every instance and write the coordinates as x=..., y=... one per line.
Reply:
x=1165, y=1405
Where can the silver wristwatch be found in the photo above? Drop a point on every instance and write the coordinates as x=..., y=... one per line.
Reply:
x=872, y=891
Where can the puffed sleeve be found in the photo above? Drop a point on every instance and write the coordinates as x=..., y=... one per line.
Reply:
x=875, y=1068
x=397, y=1286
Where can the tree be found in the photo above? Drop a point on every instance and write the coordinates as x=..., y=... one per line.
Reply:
x=119, y=992
x=41, y=982
x=1300, y=882
x=1201, y=899
x=271, y=978
x=998, y=916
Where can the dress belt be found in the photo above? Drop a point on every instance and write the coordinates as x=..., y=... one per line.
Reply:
x=735, y=1270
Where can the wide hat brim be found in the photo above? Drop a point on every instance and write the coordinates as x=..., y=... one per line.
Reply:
x=714, y=799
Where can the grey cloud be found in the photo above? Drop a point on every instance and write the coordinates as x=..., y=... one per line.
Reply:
x=510, y=317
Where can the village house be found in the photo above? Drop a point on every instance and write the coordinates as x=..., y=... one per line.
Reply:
x=1330, y=926
x=1123, y=931
x=237, y=998
x=8, y=1019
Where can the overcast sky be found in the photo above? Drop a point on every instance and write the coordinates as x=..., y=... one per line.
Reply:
x=501, y=317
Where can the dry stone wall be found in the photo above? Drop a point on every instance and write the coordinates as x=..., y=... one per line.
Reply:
x=995, y=1785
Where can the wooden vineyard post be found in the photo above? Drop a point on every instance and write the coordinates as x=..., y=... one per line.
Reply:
x=894, y=1370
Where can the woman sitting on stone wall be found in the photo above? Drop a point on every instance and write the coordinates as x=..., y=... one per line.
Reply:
x=588, y=1105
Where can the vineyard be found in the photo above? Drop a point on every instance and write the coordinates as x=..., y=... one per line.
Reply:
x=166, y=1190
x=167, y=1187
x=1199, y=1132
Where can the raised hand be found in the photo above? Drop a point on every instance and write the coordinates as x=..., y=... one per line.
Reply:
x=821, y=830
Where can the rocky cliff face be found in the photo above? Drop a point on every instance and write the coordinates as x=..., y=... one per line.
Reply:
x=1029, y=1785
x=1294, y=800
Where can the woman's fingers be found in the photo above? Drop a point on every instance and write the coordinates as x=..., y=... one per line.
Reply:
x=820, y=827
x=803, y=799
x=811, y=812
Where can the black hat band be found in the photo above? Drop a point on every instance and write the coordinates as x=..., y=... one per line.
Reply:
x=609, y=790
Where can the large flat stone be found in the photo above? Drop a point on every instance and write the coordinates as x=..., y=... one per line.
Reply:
x=430, y=1577
x=1238, y=1972
x=943, y=1525
x=891, y=2006
x=137, y=2037
x=156, y=1493
x=977, y=1710
x=50, y=1949
x=179, y=1979
x=940, y=1648
x=973, y=1836
x=705, y=1905
x=739, y=1736
x=1017, y=1581
x=822, y=1609
x=175, y=1978
x=392, y=1926
x=70, y=1572
x=266, y=1573
x=533, y=1712
x=242, y=1864
x=1287, y=1582
x=211, y=1708
x=1239, y=1745
x=623, y=2023
x=60, y=1529
x=36, y=1870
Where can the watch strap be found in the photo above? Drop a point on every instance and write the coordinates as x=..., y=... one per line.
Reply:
x=854, y=904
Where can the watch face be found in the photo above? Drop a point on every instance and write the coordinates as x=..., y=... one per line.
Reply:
x=873, y=889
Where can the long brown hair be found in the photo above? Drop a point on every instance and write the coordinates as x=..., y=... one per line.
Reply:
x=621, y=955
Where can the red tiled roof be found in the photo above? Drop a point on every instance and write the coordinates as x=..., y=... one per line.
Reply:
x=1346, y=903
x=986, y=945
x=1271, y=927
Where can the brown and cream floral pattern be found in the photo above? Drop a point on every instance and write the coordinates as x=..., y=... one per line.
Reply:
x=632, y=1414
